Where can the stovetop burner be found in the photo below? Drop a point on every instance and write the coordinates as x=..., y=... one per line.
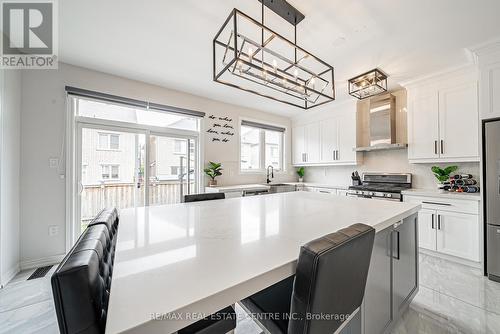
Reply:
x=381, y=185
x=392, y=188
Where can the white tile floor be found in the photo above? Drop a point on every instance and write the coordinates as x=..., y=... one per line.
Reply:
x=452, y=299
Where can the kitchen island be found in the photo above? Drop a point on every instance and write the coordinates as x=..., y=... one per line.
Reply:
x=196, y=258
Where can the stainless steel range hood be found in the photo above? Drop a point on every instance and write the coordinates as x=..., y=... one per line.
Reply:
x=382, y=125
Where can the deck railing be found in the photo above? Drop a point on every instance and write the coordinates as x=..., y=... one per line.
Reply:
x=126, y=195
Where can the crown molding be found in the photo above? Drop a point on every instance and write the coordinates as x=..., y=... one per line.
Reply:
x=469, y=67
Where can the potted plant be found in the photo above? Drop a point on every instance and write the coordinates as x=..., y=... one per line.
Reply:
x=213, y=170
x=443, y=175
x=300, y=172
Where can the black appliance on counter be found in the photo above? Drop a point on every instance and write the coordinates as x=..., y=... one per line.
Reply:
x=387, y=186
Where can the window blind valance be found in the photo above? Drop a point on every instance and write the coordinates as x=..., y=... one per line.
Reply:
x=262, y=126
x=131, y=102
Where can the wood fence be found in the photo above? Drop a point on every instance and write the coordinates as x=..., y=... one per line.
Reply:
x=126, y=195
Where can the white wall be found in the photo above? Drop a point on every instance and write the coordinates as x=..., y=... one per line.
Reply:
x=42, y=131
x=10, y=113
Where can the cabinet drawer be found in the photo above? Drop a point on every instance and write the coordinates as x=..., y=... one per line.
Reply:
x=444, y=204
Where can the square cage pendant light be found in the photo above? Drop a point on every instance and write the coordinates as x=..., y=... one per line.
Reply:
x=368, y=84
x=250, y=56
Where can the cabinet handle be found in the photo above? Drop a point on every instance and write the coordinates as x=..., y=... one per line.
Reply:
x=437, y=203
x=439, y=222
x=435, y=147
x=432, y=222
x=398, y=256
x=338, y=155
x=442, y=146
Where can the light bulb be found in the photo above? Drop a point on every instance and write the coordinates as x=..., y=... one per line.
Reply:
x=275, y=64
x=312, y=82
x=296, y=73
x=250, y=53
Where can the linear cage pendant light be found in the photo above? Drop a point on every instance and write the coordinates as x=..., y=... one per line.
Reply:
x=368, y=84
x=250, y=56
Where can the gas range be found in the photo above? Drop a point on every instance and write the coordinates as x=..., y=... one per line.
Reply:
x=386, y=186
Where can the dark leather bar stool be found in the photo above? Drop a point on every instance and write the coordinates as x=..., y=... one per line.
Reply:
x=330, y=280
x=81, y=283
x=203, y=197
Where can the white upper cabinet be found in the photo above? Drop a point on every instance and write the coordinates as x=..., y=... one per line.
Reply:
x=443, y=118
x=459, y=122
x=299, y=144
x=312, y=143
x=489, y=79
x=423, y=130
x=327, y=141
x=346, y=129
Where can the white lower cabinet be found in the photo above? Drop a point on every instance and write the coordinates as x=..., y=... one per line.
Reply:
x=443, y=229
x=426, y=229
x=333, y=191
x=458, y=235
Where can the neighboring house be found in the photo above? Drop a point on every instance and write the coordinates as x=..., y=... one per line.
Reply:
x=110, y=157
x=107, y=157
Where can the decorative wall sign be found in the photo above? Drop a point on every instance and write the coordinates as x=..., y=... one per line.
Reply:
x=220, y=129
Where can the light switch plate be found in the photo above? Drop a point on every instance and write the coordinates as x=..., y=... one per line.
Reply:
x=53, y=230
x=53, y=163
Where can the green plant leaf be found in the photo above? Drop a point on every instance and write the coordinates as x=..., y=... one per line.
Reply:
x=437, y=170
x=450, y=169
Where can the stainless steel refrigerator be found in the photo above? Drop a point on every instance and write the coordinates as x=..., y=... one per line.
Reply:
x=491, y=186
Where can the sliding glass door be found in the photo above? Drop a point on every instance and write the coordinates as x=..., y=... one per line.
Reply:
x=172, y=168
x=128, y=168
x=112, y=164
x=127, y=157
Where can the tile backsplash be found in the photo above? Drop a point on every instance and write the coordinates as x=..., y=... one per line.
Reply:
x=386, y=161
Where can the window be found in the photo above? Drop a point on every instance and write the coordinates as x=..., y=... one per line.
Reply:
x=110, y=172
x=179, y=146
x=261, y=146
x=108, y=141
x=273, y=140
x=250, y=148
x=114, y=112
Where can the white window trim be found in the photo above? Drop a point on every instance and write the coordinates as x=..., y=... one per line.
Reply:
x=110, y=172
x=262, y=169
x=108, y=148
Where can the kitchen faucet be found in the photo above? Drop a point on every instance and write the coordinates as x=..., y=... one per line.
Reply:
x=272, y=173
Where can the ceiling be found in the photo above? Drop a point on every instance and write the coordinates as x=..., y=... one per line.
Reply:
x=169, y=43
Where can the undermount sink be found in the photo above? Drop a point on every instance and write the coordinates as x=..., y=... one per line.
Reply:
x=280, y=187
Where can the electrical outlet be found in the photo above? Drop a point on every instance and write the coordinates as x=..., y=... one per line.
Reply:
x=53, y=230
x=53, y=163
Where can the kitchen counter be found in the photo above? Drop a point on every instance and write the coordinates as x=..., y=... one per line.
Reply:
x=200, y=257
x=258, y=187
x=237, y=188
x=317, y=185
x=442, y=194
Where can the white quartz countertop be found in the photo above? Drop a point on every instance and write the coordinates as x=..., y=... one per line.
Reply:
x=442, y=194
x=318, y=185
x=250, y=187
x=203, y=256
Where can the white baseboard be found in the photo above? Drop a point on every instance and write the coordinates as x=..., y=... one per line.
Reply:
x=465, y=262
x=44, y=261
x=10, y=274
